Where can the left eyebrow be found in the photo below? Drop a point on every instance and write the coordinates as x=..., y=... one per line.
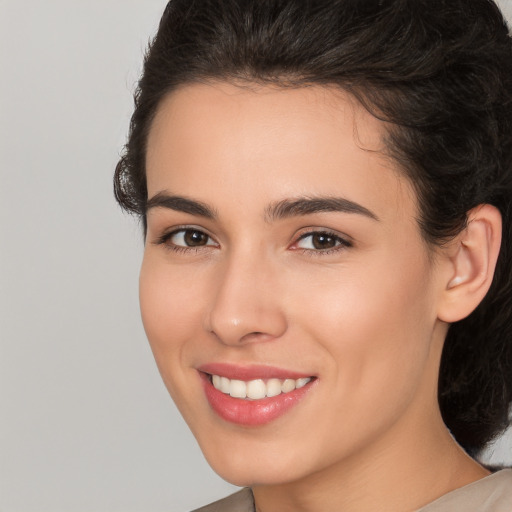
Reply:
x=310, y=205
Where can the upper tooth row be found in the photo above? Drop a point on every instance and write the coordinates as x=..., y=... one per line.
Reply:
x=256, y=389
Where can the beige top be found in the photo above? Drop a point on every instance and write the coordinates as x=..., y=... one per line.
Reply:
x=490, y=494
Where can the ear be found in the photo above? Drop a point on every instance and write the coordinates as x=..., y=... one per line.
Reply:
x=470, y=261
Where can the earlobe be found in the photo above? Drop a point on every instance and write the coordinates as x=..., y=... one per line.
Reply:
x=471, y=262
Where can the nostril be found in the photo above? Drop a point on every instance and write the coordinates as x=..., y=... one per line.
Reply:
x=256, y=336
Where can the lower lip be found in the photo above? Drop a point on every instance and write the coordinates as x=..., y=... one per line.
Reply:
x=251, y=412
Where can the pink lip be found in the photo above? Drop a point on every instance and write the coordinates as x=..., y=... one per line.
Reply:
x=250, y=412
x=250, y=372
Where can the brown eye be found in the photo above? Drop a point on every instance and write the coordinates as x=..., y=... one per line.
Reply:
x=321, y=241
x=195, y=238
x=190, y=238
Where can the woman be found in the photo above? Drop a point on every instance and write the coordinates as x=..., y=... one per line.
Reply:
x=325, y=189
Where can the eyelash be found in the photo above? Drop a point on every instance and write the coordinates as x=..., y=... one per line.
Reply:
x=165, y=238
x=341, y=243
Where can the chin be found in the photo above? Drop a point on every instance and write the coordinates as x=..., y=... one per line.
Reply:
x=249, y=463
x=250, y=474
x=280, y=463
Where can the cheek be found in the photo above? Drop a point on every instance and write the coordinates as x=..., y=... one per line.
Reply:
x=170, y=309
x=172, y=318
x=375, y=326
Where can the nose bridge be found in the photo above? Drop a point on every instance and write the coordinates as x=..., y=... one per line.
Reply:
x=245, y=306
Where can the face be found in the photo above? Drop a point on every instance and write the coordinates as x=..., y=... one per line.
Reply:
x=286, y=291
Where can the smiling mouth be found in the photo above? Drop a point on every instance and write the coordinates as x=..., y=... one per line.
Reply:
x=254, y=396
x=256, y=389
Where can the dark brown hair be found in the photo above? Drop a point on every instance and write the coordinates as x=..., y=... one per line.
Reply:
x=438, y=71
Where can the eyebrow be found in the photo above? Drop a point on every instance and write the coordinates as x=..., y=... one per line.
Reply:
x=280, y=210
x=181, y=204
x=310, y=205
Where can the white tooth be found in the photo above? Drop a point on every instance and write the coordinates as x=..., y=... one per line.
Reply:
x=300, y=383
x=273, y=387
x=238, y=389
x=256, y=389
x=225, y=385
x=216, y=381
x=288, y=385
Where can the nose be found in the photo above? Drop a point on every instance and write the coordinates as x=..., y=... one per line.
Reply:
x=245, y=305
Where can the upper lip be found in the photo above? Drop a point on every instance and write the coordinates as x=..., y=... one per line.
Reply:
x=250, y=372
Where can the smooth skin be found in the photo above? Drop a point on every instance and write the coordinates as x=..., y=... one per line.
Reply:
x=355, y=297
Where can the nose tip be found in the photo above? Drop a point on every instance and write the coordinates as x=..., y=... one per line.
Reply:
x=249, y=325
x=245, y=308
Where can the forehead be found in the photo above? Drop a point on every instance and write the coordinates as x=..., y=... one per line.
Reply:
x=270, y=143
x=253, y=115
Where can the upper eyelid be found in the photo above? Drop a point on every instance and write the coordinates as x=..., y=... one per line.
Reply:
x=322, y=230
x=176, y=232
x=167, y=233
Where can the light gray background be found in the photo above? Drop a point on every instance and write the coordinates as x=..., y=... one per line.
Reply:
x=85, y=423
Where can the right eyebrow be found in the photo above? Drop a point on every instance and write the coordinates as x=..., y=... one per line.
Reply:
x=181, y=204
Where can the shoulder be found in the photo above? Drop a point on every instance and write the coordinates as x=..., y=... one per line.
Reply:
x=490, y=494
x=241, y=501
